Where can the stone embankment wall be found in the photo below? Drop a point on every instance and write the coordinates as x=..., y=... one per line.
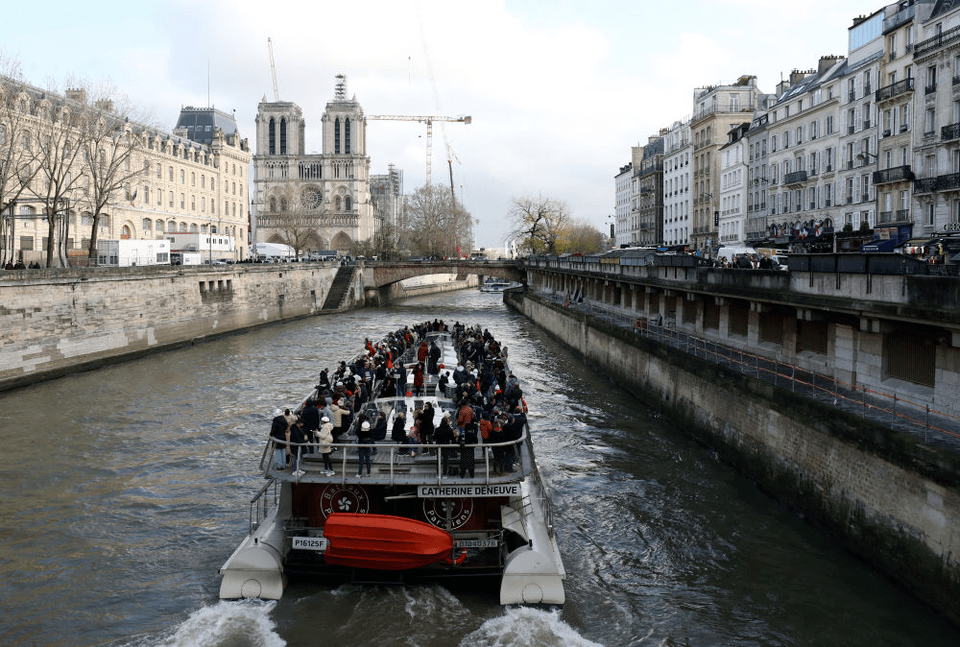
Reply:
x=55, y=322
x=891, y=499
x=404, y=290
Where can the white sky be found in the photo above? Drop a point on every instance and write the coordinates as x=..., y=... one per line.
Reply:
x=558, y=90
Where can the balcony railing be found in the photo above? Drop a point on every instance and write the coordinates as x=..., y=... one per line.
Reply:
x=940, y=40
x=949, y=182
x=797, y=177
x=950, y=132
x=925, y=185
x=894, y=174
x=894, y=89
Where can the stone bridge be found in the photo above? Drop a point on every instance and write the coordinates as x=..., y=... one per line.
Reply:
x=380, y=274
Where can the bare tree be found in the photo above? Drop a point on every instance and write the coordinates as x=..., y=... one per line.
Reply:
x=17, y=158
x=57, y=132
x=384, y=244
x=435, y=226
x=111, y=145
x=538, y=223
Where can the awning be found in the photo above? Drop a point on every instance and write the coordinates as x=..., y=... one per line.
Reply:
x=917, y=242
x=878, y=245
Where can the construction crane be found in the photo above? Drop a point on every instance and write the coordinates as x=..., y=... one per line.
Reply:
x=273, y=72
x=429, y=121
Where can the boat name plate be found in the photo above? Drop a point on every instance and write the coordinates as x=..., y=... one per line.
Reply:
x=310, y=543
x=475, y=543
x=470, y=491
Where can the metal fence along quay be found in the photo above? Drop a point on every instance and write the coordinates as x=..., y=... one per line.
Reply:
x=891, y=409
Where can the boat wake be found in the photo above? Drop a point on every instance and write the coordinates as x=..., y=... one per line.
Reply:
x=524, y=626
x=234, y=624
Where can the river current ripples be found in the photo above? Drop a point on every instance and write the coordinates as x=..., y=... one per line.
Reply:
x=125, y=489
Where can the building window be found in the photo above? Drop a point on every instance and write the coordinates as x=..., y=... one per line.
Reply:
x=272, y=136
x=283, y=136
x=336, y=136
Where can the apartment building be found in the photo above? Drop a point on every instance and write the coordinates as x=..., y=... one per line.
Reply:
x=624, y=230
x=936, y=119
x=716, y=109
x=733, y=187
x=677, y=176
x=649, y=199
x=803, y=141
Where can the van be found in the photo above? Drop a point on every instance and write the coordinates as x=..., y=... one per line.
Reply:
x=731, y=252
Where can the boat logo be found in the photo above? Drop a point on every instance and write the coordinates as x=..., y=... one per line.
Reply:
x=343, y=498
x=437, y=511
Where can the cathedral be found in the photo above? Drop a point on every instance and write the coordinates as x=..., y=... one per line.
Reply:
x=314, y=201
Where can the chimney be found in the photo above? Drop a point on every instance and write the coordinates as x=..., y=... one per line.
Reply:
x=826, y=62
x=77, y=94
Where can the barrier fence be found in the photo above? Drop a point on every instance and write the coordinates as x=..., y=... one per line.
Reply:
x=935, y=427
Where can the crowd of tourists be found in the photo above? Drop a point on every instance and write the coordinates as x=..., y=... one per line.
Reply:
x=489, y=404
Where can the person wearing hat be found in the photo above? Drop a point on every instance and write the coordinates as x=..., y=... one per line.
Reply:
x=326, y=440
x=364, y=437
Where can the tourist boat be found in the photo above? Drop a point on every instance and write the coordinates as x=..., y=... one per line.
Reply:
x=407, y=522
x=497, y=285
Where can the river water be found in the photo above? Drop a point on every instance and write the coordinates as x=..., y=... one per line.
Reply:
x=125, y=489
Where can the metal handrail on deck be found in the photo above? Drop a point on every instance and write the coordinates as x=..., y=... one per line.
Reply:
x=266, y=462
x=260, y=504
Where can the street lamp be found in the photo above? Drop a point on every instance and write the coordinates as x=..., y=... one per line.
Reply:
x=865, y=157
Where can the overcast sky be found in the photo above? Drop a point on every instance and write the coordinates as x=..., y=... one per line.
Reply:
x=558, y=90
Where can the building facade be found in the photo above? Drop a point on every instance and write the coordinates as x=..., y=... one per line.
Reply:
x=733, y=187
x=623, y=206
x=188, y=181
x=936, y=120
x=677, y=174
x=649, y=197
x=716, y=110
x=313, y=201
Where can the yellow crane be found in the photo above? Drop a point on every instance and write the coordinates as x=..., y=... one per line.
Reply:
x=429, y=121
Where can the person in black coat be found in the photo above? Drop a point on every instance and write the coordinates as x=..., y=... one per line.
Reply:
x=444, y=435
x=280, y=433
x=399, y=433
x=297, y=437
x=310, y=419
x=380, y=427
